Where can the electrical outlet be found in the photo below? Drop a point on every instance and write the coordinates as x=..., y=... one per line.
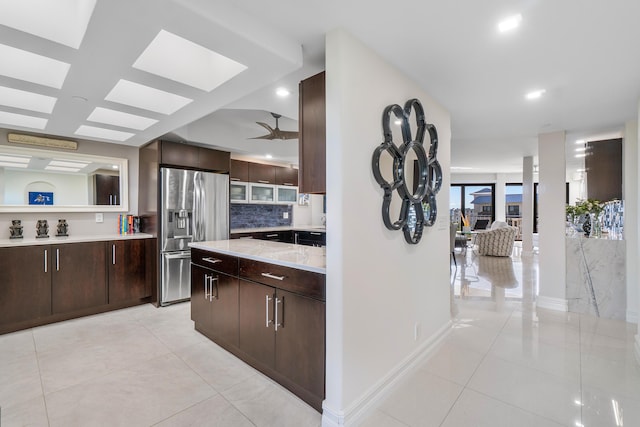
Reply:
x=416, y=331
x=285, y=215
x=99, y=217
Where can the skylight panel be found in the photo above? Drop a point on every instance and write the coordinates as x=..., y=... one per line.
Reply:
x=68, y=164
x=119, y=118
x=21, y=120
x=102, y=133
x=22, y=65
x=168, y=54
x=14, y=165
x=15, y=159
x=61, y=21
x=145, y=97
x=61, y=169
x=24, y=100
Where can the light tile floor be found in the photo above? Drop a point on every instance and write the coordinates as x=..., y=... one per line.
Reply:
x=505, y=363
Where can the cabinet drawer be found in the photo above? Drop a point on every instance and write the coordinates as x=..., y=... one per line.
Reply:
x=216, y=261
x=294, y=280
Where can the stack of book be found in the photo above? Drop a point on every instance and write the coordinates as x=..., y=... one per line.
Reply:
x=125, y=224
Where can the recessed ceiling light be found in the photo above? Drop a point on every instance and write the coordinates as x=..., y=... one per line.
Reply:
x=15, y=159
x=21, y=120
x=114, y=167
x=14, y=165
x=535, y=94
x=103, y=133
x=61, y=169
x=282, y=92
x=61, y=21
x=24, y=100
x=509, y=23
x=581, y=155
x=147, y=98
x=168, y=53
x=580, y=141
x=268, y=156
x=22, y=65
x=119, y=118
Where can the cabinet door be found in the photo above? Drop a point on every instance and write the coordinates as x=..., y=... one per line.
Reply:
x=312, y=140
x=239, y=170
x=300, y=340
x=262, y=174
x=213, y=160
x=257, y=337
x=79, y=276
x=176, y=154
x=224, y=307
x=107, y=190
x=25, y=283
x=127, y=272
x=200, y=312
x=286, y=176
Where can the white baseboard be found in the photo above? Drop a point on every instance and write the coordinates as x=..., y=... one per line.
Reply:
x=558, y=304
x=358, y=410
x=632, y=316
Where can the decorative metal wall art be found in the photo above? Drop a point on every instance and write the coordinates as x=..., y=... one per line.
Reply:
x=429, y=172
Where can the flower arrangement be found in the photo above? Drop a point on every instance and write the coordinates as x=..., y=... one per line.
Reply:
x=589, y=206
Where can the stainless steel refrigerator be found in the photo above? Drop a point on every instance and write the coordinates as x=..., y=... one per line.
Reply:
x=195, y=208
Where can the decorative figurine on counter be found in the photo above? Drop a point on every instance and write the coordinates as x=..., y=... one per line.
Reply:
x=42, y=229
x=61, y=229
x=16, y=229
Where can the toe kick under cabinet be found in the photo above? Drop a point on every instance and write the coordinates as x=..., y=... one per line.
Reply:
x=41, y=284
x=270, y=316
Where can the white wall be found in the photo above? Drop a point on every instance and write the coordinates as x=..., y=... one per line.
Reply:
x=81, y=223
x=630, y=197
x=378, y=286
x=68, y=189
x=551, y=227
x=309, y=215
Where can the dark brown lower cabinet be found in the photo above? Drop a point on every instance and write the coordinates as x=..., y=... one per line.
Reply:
x=280, y=315
x=127, y=270
x=79, y=276
x=214, y=303
x=25, y=283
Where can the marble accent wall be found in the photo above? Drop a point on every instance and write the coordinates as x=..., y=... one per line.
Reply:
x=256, y=215
x=595, y=277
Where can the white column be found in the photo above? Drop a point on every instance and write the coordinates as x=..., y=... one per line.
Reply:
x=636, y=237
x=630, y=197
x=551, y=225
x=527, y=205
x=501, y=205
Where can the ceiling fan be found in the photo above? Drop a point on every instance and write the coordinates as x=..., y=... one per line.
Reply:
x=276, y=133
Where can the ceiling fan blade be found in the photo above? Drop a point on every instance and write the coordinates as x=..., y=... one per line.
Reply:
x=286, y=134
x=268, y=136
x=266, y=126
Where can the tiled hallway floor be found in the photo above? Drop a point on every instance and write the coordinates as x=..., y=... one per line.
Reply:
x=505, y=363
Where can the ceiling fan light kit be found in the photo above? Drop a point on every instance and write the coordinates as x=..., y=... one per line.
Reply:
x=276, y=133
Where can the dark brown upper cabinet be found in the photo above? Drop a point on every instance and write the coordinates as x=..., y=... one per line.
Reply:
x=239, y=171
x=263, y=174
x=312, y=140
x=286, y=176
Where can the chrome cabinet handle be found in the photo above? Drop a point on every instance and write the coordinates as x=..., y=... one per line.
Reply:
x=288, y=183
x=212, y=260
x=272, y=276
x=113, y=254
x=110, y=199
x=206, y=284
x=57, y=259
x=267, y=299
x=279, y=301
x=234, y=179
x=272, y=235
x=211, y=296
x=314, y=233
x=263, y=182
x=115, y=199
x=45, y=261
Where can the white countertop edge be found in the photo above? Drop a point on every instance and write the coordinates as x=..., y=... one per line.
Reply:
x=53, y=240
x=313, y=269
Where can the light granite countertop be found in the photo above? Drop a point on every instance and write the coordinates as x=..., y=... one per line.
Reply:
x=53, y=240
x=318, y=228
x=309, y=258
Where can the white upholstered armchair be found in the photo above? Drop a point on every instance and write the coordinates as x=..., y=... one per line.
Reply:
x=496, y=242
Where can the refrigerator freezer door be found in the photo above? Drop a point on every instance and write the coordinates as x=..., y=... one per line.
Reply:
x=176, y=277
x=177, y=191
x=211, y=207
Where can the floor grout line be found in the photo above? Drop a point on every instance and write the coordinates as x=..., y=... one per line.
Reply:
x=44, y=399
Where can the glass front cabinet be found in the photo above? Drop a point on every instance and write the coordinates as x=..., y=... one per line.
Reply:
x=239, y=192
x=286, y=194
x=262, y=193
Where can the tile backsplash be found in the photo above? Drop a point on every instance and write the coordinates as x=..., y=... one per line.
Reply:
x=255, y=215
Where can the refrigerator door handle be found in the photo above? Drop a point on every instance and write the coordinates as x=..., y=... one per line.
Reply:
x=180, y=255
